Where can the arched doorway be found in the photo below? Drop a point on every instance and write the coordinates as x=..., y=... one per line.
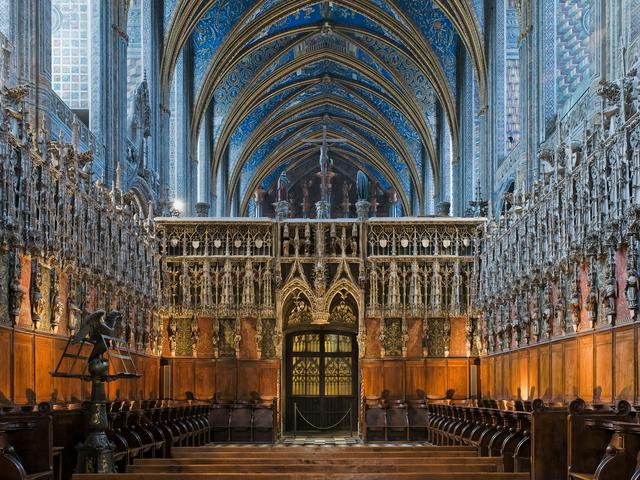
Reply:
x=320, y=363
x=321, y=371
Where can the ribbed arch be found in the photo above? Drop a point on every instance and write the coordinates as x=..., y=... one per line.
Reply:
x=380, y=34
x=252, y=95
x=287, y=148
x=274, y=129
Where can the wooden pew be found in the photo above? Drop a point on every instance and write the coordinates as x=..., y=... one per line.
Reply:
x=527, y=441
x=589, y=435
x=26, y=444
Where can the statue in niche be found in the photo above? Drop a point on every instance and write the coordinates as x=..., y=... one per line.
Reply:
x=172, y=334
x=609, y=294
x=306, y=198
x=575, y=309
x=631, y=291
x=282, y=194
x=592, y=307
x=561, y=309
x=195, y=336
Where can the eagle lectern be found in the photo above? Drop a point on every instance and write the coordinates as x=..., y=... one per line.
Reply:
x=109, y=359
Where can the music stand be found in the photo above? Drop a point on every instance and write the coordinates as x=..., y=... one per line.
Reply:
x=110, y=359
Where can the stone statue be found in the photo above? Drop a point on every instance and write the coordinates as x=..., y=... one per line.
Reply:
x=172, y=334
x=283, y=188
x=363, y=186
x=609, y=294
x=631, y=291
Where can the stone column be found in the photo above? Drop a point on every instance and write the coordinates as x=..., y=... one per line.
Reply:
x=223, y=180
x=205, y=149
x=109, y=81
x=152, y=42
x=32, y=53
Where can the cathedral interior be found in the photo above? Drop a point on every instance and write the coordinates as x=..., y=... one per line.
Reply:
x=404, y=230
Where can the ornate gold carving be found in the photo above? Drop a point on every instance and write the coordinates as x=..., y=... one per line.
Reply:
x=343, y=314
x=300, y=313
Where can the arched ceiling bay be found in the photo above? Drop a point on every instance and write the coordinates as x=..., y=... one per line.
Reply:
x=277, y=72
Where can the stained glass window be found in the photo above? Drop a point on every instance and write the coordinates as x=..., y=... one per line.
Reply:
x=306, y=343
x=305, y=378
x=70, y=50
x=337, y=343
x=337, y=376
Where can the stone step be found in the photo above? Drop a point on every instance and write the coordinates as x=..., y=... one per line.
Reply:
x=319, y=468
x=306, y=476
x=320, y=461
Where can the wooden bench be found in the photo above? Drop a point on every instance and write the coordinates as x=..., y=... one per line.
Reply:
x=590, y=431
x=528, y=437
x=26, y=444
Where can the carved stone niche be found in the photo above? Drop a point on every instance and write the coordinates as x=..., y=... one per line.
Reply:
x=437, y=336
x=265, y=337
x=393, y=337
x=38, y=296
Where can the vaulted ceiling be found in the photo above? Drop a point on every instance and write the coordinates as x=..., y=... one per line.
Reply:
x=375, y=72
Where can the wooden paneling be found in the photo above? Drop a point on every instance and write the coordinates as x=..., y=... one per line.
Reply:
x=23, y=358
x=598, y=366
x=523, y=375
x=414, y=342
x=436, y=378
x=570, y=372
x=506, y=376
x=585, y=367
x=534, y=376
x=205, y=378
x=183, y=378
x=415, y=379
x=394, y=378
x=624, y=359
x=5, y=365
x=269, y=378
x=545, y=372
x=557, y=372
x=226, y=378
x=45, y=358
x=372, y=377
x=603, y=368
x=458, y=377
x=248, y=380
x=498, y=375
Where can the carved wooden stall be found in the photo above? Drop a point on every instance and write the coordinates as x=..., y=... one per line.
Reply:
x=559, y=271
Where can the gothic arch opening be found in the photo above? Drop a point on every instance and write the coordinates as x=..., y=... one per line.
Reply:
x=320, y=364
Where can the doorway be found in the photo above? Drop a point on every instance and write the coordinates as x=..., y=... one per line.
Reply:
x=321, y=372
